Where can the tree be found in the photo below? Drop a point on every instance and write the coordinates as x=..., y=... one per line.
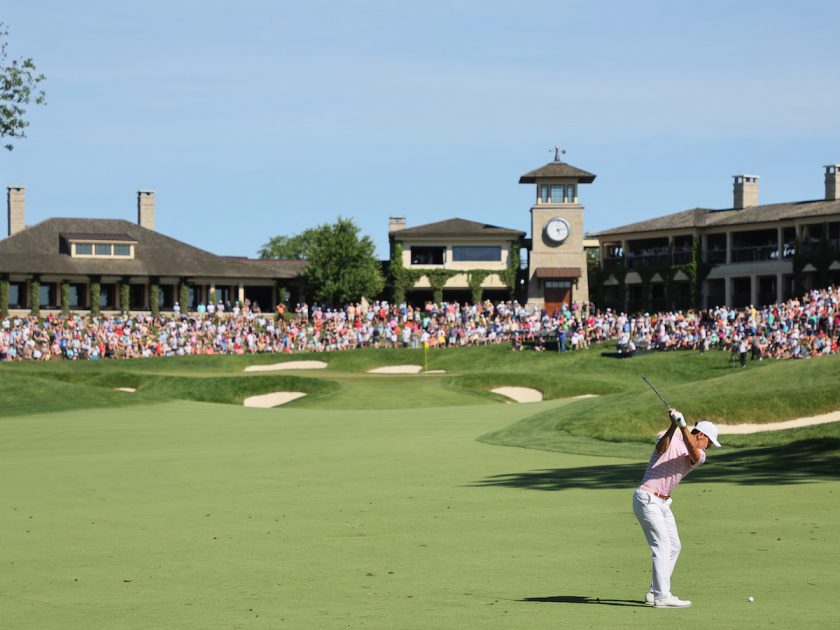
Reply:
x=19, y=82
x=288, y=247
x=342, y=266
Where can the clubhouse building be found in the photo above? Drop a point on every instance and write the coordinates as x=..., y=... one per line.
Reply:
x=458, y=254
x=61, y=260
x=747, y=254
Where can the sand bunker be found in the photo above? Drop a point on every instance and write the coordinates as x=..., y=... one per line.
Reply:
x=740, y=429
x=397, y=369
x=520, y=394
x=288, y=365
x=266, y=401
x=130, y=390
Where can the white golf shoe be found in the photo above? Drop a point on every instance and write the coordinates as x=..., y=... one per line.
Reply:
x=649, y=598
x=672, y=602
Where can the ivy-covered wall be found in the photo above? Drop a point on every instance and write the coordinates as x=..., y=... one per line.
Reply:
x=95, y=293
x=403, y=279
x=4, y=296
x=695, y=270
x=35, y=297
x=65, y=297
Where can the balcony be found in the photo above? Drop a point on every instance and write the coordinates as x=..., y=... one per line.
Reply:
x=813, y=246
x=682, y=258
x=755, y=254
x=637, y=261
x=716, y=256
x=611, y=263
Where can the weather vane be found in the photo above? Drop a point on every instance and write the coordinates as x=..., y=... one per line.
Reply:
x=558, y=152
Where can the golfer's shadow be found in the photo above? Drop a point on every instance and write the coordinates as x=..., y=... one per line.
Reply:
x=580, y=599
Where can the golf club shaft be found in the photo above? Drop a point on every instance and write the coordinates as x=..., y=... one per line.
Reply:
x=664, y=402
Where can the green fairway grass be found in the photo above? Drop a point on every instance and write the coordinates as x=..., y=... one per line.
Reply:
x=396, y=501
x=191, y=515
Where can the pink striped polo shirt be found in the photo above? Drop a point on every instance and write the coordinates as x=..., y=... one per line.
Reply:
x=665, y=471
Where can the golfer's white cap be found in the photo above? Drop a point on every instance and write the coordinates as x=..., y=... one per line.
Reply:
x=708, y=428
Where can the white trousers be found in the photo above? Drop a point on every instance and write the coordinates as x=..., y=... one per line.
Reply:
x=660, y=528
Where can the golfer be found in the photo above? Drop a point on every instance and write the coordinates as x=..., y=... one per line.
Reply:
x=679, y=450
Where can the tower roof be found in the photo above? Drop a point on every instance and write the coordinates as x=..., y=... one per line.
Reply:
x=557, y=169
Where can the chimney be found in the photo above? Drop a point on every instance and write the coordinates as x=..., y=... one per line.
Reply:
x=745, y=191
x=16, y=203
x=832, y=182
x=396, y=223
x=146, y=209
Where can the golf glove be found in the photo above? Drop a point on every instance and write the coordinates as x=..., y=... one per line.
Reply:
x=678, y=418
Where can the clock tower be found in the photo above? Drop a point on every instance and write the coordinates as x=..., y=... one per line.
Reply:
x=556, y=259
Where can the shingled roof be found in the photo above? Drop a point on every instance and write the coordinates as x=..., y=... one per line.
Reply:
x=457, y=227
x=558, y=169
x=708, y=218
x=39, y=249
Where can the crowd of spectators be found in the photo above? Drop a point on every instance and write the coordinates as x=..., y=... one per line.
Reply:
x=797, y=328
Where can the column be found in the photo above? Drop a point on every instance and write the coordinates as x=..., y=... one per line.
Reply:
x=781, y=243
x=240, y=294
x=779, y=294
x=728, y=247
x=753, y=290
x=727, y=291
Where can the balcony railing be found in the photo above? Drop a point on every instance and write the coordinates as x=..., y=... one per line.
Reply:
x=611, y=263
x=681, y=258
x=814, y=246
x=714, y=256
x=753, y=254
x=637, y=261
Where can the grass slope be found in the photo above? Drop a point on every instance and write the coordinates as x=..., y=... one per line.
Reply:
x=619, y=422
x=86, y=389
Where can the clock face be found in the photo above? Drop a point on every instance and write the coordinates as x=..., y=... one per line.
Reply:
x=557, y=230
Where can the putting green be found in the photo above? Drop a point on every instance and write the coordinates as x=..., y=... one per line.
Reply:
x=194, y=515
x=392, y=391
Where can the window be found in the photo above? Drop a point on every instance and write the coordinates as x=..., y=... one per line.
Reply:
x=15, y=294
x=557, y=193
x=463, y=253
x=103, y=249
x=76, y=291
x=427, y=255
x=107, y=295
x=44, y=294
x=558, y=284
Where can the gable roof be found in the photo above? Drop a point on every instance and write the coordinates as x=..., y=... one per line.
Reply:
x=708, y=218
x=39, y=249
x=458, y=227
x=558, y=169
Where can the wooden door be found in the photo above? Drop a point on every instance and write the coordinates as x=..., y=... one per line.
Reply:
x=557, y=293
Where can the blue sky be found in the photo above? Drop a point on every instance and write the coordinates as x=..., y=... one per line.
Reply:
x=254, y=119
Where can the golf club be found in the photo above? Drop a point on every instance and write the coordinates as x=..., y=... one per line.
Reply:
x=664, y=402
